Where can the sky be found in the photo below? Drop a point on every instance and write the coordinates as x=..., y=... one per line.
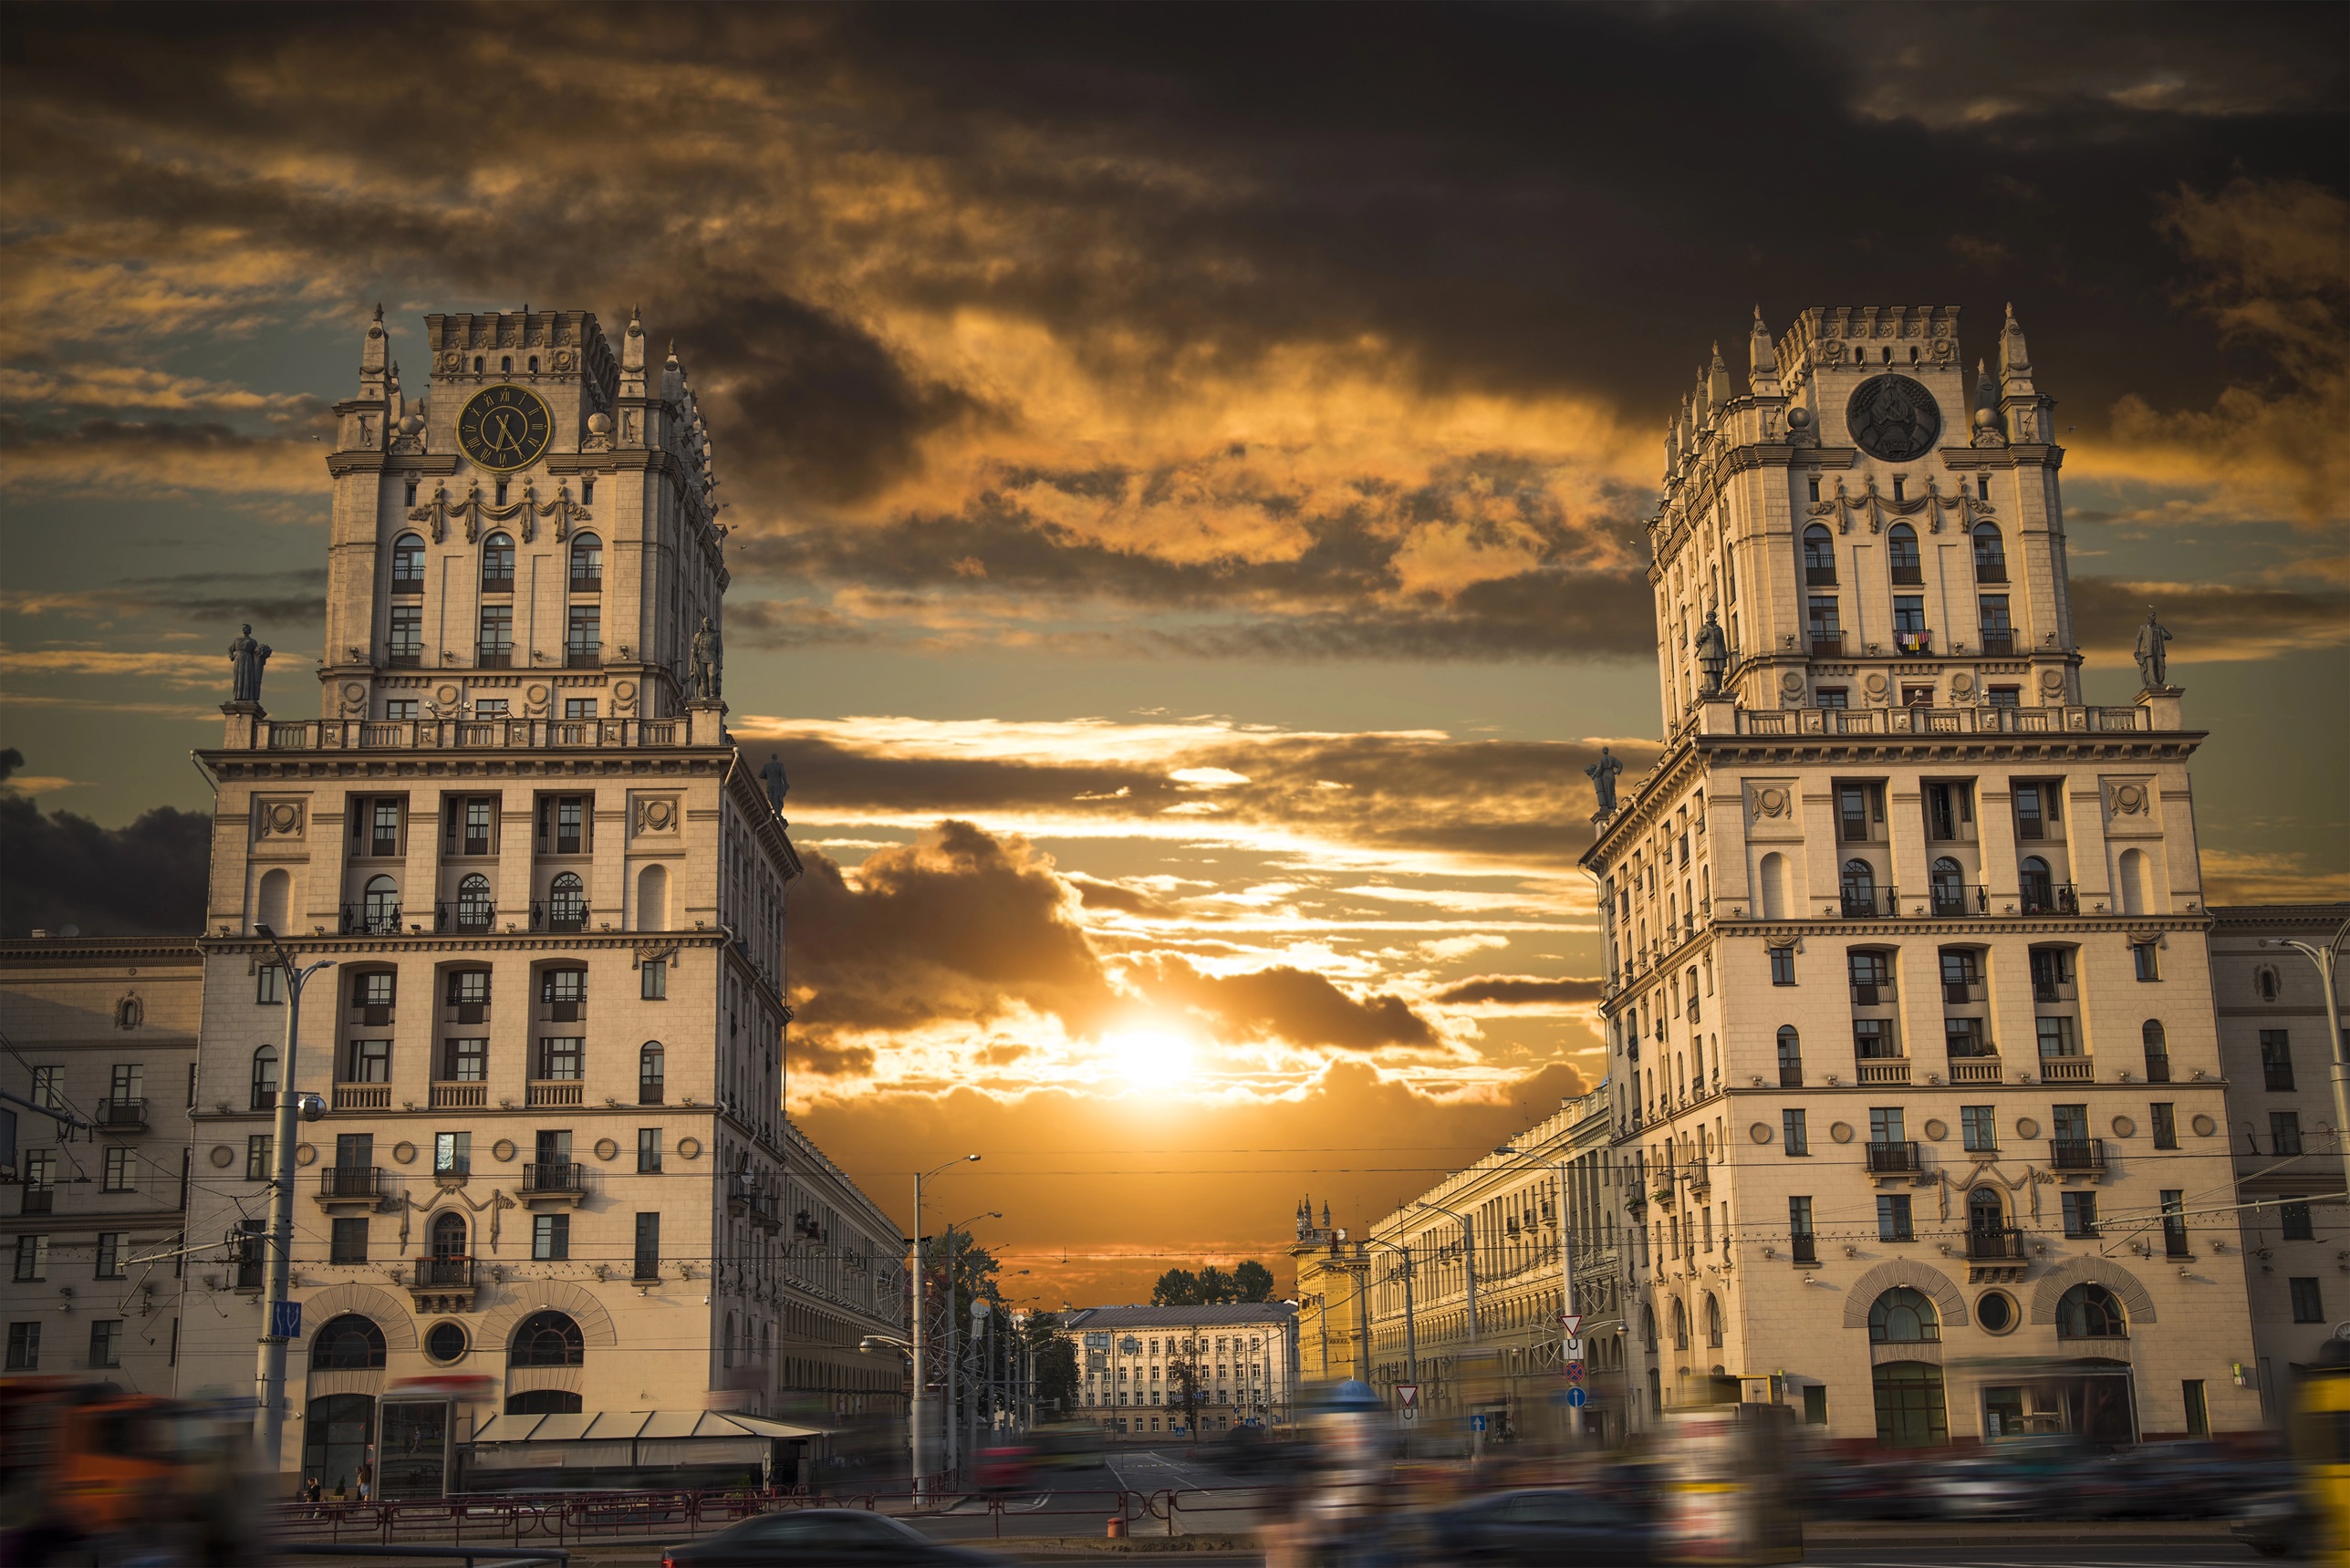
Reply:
x=1187, y=471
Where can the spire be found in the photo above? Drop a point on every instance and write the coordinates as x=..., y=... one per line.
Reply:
x=1717, y=390
x=672, y=375
x=375, y=357
x=1763, y=359
x=1700, y=410
x=2015, y=359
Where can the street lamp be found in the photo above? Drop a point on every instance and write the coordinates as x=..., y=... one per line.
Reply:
x=948, y=1430
x=1468, y=1256
x=2325, y=959
x=914, y=1411
x=1565, y=1271
x=278, y=1327
x=1410, y=1334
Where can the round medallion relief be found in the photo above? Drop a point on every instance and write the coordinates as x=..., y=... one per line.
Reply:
x=606, y=1148
x=2128, y=798
x=223, y=1156
x=283, y=818
x=1771, y=800
x=1792, y=682
x=1876, y=685
x=2204, y=1127
x=403, y=1152
x=689, y=1148
x=537, y=693
x=2125, y=1127
x=1760, y=1132
x=2025, y=1128
x=1937, y=1130
x=625, y=690
x=306, y=1154
x=446, y=694
x=659, y=815
x=353, y=691
x=1962, y=683
x=1893, y=418
x=502, y=1150
x=1841, y=1132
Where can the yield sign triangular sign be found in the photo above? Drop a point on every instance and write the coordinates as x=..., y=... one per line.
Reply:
x=1407, y=1395
x=1573, y=1323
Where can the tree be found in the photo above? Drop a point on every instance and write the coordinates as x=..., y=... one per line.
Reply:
x=1055, y=1361
x=1176, y=1287
x=1249, y=1281
x=1183, y=1390
x=1254, y=1281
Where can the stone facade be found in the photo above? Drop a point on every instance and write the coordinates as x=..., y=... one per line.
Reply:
x=1908, y=1004
x=103, y=1029
x=1244, y=1354
x=2283, y=1127
x=554, y=1158
x=1508, y=1364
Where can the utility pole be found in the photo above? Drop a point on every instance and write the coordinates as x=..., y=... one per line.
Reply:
x=2324, y=958
x=1410, y=1333
x=280, y=1325
x=921, y=1336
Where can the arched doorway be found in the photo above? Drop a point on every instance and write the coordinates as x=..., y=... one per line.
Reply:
x=1910, y=1412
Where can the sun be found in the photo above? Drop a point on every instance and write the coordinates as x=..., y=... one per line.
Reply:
x=1150, y=1058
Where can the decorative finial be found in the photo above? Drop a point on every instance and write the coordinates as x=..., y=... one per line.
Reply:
x=379, y=310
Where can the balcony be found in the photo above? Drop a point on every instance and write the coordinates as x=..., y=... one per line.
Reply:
x=1819, y=576
x=358, y=921
x=122, y=1115
x=1954, y=901
x=442, y=1285
x=552, y=1092
x=354, y=1189
x=1868, y=903
x=459, y=1096
x=1991, y=571
x=493, y=658
x=362, y=1096
x=1998, y=643
x=39, y=1200
x=563, y=916
x=587, y=582
x=1976, y=1070
x=2077, y=1155
x=1803, y=1250
x=2067, y=1070
x=1966, y=720
x=1882, y=1070
x=1996, y=1254
x=1916, y=644
x=401, y=656
x=562, y=1182
x=464, y=920
x=1873, y=994
x=583, y=656
x=746, y=1199
x=1701, y=1179
x=1661, y=1183
x=1827, y=645
x=1895, y=1158
x=2037, y=897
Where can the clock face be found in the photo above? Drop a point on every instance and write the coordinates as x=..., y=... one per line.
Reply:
x=504, y=428
x=1894, y=418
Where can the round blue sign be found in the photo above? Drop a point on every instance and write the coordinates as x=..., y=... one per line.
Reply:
x=1576, y=1398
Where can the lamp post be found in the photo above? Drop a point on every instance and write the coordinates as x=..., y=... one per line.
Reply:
x=1565, y=1274
x=914, y=1410
x=1410, y=1333
x=948, y=1430
x=277, y=1329
x=2324, y=958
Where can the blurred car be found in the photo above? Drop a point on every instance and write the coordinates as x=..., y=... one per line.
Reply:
x=1006, y=1467
x=2030, y=1478
x=1543, y=1525
x=2274, y=1522
x=818, y=1535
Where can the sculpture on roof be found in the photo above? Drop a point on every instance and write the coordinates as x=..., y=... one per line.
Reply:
x=2152, y=662
x=708, y=652
x=246, y=659
x=1602, y=775
x=778, y=784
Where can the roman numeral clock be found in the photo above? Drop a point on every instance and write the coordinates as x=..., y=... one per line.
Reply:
x=504, y=428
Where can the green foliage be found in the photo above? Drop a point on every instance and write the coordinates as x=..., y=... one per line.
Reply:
x=1212, y=1286
x=1176, y=1287
x=1055, y=1363
x=1255, y=1281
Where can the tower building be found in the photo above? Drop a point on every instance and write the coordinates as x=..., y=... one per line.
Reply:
x=553, y=1198
x=1907, y=1003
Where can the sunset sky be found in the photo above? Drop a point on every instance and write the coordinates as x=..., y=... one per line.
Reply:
x=1187, y=471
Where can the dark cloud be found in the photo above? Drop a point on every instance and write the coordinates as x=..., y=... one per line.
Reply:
x=2208, y=620
x=1289, y=1003
x=786, y=624
x=1098, y=893
x=143, y=879
x=1518, y=989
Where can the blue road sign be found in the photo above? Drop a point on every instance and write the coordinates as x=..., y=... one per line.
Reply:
x=1476, y=1423
x=285, y=1320
x=1576, y=1398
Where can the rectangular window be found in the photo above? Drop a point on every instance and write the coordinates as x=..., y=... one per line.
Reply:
x=32, y=1258
x=1949, y=807
x=550, y=1237
x=563, y=824
x=1815, y=1394
x=2146, y=960
x=350, y=1243
x=465, y=1061
x=1827, y=630
x=121, y=1170
x=2296, y=1222
x=1792, y=1130
x=2284, y=1132
x=648, y=1149
x=376, y=824
x=1964, y=1037
x=648, y=1246
x=2070, y=1123
x=1872, y=1039
x=50, y=1087
x=583, y=638
x=1799, y=1220
x=1979, y=1129
x=1908, y=621
x=1893, y=1218
x=269, y=985
x=407, y=642
x=370, y=1062
x=398, y=710
x=1852, y=811
x=257, y=1164
x=1998, y=631
x=560, y=1056
x=2308, y=1301
x=652, y=980
x=23, y=1347
x=110, y=1255
x=127, y=1082
x=579, y=707
x=1782, y=965
x=2080, y=1213
x=2199, y=1414
x=489, y=707
x=354, y=1151
x=2174, y=1223
x=2276, y=1061
x=2029, y=821
x=2056, y=1037
x=1885, y=1124
x=495, y=649
x=453, y=1154
x=106, y=1342
x=2166, y=1124
x=2007, y=696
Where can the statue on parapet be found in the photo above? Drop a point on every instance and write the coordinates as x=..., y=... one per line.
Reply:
x=778, y=785
x=1602, y=775
x=246, y=659
x=2153, y=659
x=709, y=653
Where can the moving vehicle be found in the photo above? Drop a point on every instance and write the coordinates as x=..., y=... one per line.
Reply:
x=806, y=1538
x=1545, y=1525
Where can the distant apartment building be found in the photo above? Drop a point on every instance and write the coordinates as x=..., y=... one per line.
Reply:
x=1145, y=1369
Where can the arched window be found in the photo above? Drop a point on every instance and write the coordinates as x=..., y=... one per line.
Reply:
x=349, y=1343
x=548, y=1339
x=1903, y=1317
x=651, y=1074
x=1991, y=554
x=544, y=1402
x=2265, y=982
x=448, y=1235
x=1859, y=886
x=1986, y=1215
x=1901, y=549
x=1774, y=886
x=1712, y=1322
x=652, y=898
x=475, y=907
x=2090, y=1312
x=2157, y=1050
x=380, y=909
x=1681, y=1326
x=1791, y=1058
x=587, y=564
x=1819, y=555
x=276, y=895
x=726, y=1346
x=2038, y=887
x=566, y=903
x=1949, y=887
x=408, y=565
x=1649, y=1328
x=2136, y=889
x=264, y=1080
x=498, y=564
